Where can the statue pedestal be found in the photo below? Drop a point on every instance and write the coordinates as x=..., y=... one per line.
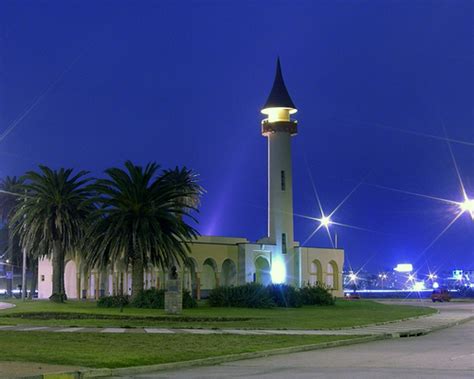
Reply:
x=173, y=297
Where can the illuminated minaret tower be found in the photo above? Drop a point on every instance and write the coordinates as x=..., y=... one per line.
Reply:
x=279, y=128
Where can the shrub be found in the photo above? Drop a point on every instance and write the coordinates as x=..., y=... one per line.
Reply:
x=116, y=301
x=250, y=295
x=316, y=295
x=150, y=298
x=188, y=300
x=285, y=296
x=155, y=299
x=254, y=295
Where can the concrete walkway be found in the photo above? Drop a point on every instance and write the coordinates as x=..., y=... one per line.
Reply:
x=33, y=370
x=6, y=305
x=450, y=314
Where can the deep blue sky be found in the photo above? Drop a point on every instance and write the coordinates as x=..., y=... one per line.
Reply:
x=182, y=83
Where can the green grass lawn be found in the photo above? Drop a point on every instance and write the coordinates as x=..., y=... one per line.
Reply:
x=124, y=350
x=84, y=313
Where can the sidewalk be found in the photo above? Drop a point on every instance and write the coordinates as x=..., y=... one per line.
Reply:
x=449, y=315
x=28, y=370
x=6, y=305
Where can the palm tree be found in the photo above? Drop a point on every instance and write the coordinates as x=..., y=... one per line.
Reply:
x=139, y=220
x=9, y=194
x=52, y=217
x=186, y=182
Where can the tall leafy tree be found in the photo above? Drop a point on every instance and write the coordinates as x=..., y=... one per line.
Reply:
x=139, y=220
x=187, y=186
x=186, y=182
x=9, y=195
x=52, y=216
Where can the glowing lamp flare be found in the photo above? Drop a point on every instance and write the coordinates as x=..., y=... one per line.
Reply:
x=468, y=206
x=325, y=221
x=418, y=286
x=278, y=272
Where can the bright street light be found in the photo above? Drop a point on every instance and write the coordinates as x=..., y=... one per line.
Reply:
x=325, y=221
x=468, y=206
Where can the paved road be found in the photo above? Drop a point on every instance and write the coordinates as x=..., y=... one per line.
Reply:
x=448, y=353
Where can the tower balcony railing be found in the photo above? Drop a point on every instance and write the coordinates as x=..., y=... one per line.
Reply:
x=290, y=126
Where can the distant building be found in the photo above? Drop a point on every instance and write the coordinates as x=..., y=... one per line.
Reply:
x=215, y=261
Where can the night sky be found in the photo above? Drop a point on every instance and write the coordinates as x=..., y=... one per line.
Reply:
x=181, y=83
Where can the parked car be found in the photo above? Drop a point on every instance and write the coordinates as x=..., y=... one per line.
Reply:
x=352, y=296
x=440, y=295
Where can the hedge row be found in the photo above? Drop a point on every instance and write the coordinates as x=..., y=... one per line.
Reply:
x=150, y=298
x=254, y=295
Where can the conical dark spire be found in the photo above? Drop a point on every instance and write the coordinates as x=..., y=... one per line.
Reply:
x=279, y=96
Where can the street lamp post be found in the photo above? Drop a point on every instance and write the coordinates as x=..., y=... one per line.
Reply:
x=382, y=277
x=23, y=276
x=23, y=272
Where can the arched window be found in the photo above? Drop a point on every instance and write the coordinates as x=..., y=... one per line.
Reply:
x=208, y=276
x=190, y=270
x=332, y=279
x=70, y=284
x=262, y=271
x=229, y=273
x=315, y=273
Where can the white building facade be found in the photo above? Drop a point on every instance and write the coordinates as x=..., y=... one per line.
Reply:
x=216, y=261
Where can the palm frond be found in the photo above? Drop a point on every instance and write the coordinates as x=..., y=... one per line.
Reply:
x=139, y=216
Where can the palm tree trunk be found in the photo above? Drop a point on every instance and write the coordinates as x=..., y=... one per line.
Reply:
x=10, y=259
x=34, y=276
x=63, y=287
x=137, y=277
x=58, y=274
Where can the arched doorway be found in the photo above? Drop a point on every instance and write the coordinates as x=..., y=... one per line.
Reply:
x=70, y=280
x=332, y=275
x=208, y=276
x=262, y=271
x=190, y=276
x=229, y=273
x=315, y=273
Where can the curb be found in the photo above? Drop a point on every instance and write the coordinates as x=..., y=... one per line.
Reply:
x=422, y=332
